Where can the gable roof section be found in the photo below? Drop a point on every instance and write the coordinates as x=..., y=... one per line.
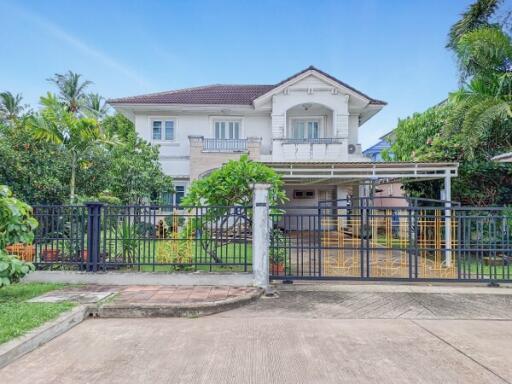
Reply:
x=332, y=78
x=225, y=94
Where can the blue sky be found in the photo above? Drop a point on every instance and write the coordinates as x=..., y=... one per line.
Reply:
x=392, y=50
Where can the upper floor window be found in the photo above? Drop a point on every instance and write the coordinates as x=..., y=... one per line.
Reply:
x=163, y=129
x=305, y=129
x=227, y=129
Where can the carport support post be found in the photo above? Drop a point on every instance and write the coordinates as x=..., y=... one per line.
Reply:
x=448, y=217
x=260, y=236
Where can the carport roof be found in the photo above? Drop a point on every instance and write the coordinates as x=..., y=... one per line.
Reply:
x=331, y=171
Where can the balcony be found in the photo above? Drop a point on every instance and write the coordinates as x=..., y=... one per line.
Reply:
x=224, y=145
x=319, y=149
x=208, y=153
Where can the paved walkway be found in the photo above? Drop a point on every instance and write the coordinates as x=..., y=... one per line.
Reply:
x=307, y=335
x=146, y=294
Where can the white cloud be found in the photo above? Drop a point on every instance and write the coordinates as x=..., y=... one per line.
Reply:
x=87, y=50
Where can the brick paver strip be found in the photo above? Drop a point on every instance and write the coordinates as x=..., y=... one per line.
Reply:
x=178, y=294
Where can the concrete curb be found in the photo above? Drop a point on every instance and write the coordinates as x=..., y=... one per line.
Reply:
x=14, y=349
x=112, y=310
x=397, y=288
x=238, y=279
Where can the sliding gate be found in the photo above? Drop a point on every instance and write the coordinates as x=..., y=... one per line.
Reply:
x=390, y=238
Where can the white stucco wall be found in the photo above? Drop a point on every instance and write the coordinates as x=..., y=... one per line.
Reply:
x=268, y=119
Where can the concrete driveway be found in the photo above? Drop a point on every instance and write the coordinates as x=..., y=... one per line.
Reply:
x=310, y=334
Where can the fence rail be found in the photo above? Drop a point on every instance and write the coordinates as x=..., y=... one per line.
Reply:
x=143, y=238
x=363, y=241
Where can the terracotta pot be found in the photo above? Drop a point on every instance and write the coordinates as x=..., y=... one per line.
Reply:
x=85, y=256
x=50, y=255
x=277, y=268
x=23, y=251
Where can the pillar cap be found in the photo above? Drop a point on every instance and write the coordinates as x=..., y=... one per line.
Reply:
x=260, y=186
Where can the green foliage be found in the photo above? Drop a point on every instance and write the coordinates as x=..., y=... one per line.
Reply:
x=231, y=185
x=10, y=106
x=278, y=247
x=119, y=126
x=12, y=269
x=414, y=135
x=475, y=123
x=16, y=226
x=40, y=151
x=36, y=171
x=71, y=90
x=225, y=187
x=16, y=222
x=477, y=16
x=135, y=172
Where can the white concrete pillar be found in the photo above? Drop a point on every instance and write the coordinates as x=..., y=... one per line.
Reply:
x=448, y=218
x=261, y=236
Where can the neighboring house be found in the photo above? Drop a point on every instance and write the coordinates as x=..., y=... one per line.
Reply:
x=374, y=153
x=306, y=127
x=388, y=192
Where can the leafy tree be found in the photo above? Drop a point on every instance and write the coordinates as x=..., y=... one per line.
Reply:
x=230, y=185
x=37, y=171
x=71, y=90
x=135, y=173
x=118, y=126
x=10, y=106
x=57, y=124
x=222, y=191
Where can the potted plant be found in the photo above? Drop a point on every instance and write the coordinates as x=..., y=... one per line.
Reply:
x=277, y=252
x=50, y=254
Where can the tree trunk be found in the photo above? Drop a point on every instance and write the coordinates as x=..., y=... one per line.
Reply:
x=72, y=182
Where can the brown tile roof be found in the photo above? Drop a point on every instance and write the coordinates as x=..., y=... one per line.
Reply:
x=221, y=93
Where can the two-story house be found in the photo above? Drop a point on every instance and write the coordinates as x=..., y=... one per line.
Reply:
x=306, y=127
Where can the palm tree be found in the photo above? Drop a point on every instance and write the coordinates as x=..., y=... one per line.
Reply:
x=10, y=105
x=71, y=89
x=58, y=125
x=475, y=17
x=95, y=106
x=482, y=108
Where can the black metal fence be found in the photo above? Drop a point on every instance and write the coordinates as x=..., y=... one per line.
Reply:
x=143, y=238
x=345, y=239
x=368, y=239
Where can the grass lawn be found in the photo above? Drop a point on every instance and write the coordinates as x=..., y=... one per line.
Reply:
x=17, y=316
x=233, y=253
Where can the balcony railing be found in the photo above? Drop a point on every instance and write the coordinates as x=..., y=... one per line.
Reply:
x=321, y=140
x=225, y=145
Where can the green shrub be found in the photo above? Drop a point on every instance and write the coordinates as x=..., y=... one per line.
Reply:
x=16, y=226
x=12, y=269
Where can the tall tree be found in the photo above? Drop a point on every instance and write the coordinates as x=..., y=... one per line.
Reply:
x=59, y=125
x=10, y=106
x=71, y=90
x=95, y=106
x=478, y=15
